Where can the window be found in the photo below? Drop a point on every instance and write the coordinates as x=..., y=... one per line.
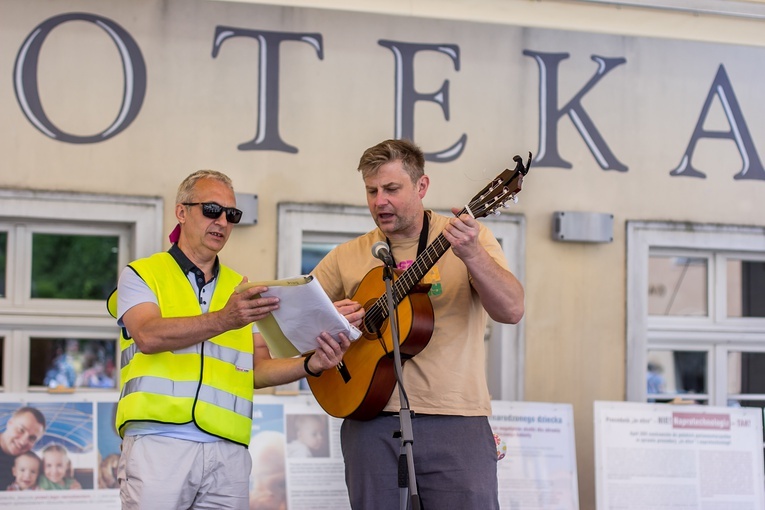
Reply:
x=57, y=362
x=60, y=256
x=2, y=356
x=677, y=285
x=746, y=279
x=307, y=232
x=58, y=259
x=696, y=314
x=3, y=257
x=63, y=264
x=676, y=372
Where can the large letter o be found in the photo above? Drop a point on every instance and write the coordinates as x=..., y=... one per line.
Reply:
x=26, y=87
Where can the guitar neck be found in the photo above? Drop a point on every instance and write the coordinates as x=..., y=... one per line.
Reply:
x=420, y=267
x=378, y=312
x=424, y=262
x=413, y=274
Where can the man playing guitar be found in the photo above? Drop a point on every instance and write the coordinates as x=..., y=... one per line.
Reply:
x=444, y=375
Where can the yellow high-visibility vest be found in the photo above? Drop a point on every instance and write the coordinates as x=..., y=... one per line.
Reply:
x=209, y=383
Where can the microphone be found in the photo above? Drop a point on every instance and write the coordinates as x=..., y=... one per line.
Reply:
x=380, y=250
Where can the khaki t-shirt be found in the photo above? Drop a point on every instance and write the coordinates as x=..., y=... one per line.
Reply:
x=449, y=375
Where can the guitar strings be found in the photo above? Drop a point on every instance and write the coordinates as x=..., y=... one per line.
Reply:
x=378, y=312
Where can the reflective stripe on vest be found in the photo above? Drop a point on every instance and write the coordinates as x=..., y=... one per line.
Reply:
x=188, y=389
x=225, y=354
x=209, y=383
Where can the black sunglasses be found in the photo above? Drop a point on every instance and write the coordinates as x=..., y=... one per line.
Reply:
x=213, y=211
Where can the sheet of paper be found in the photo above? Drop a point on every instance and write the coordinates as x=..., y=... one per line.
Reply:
x=304, y=312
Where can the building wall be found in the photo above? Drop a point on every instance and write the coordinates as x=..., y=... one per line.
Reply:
x=338, y=98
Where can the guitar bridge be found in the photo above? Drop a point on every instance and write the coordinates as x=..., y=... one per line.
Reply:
x=344, y=373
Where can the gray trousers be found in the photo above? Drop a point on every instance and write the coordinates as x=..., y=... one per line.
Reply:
x=455, y=462
x=162, y=473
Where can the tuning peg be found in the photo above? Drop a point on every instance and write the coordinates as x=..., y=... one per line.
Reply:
x=515, y=199
x=497, y=212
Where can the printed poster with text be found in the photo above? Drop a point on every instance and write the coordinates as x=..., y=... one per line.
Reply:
x=297, y=461
x=663, y=456
x=537, y=467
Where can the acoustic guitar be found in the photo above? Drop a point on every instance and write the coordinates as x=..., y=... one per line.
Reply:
x=361, y=385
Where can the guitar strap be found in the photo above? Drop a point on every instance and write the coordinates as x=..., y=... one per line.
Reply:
x=423, y=238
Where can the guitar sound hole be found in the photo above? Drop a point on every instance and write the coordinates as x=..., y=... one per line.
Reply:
x=373, y=327
x=372, y=332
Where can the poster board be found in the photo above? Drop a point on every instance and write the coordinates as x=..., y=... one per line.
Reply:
x=536, y=442
x=678, y=456
x=85, y=428
x=538, y=471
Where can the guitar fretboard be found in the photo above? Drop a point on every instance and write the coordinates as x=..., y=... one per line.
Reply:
x=378, y=312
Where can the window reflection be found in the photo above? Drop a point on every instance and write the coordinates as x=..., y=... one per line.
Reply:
x=312, y=254
x=72, y=363
x=746, y=288
x=676, y=373
x=746, y=373
x=677, y=286
x=74, y=266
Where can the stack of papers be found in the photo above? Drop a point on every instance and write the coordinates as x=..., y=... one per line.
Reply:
x=304, y=312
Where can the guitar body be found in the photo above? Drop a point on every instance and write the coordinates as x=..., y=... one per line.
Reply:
x=361, y=386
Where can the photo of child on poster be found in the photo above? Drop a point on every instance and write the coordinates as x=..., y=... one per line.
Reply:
x=108, y=446
x=59, y=434
x=307, y=435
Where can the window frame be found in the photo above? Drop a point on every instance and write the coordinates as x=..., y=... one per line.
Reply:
x=21, y=287
x=138, y=222
x=713, y=332
x=722, y=271
x=678, y=344
x=23, y=344
x=722, y=362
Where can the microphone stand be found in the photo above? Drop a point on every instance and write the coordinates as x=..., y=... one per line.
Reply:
x=406, y=475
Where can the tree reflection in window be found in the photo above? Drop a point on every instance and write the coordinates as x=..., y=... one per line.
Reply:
x=66, y=266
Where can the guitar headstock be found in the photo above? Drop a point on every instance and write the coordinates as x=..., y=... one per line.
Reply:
x=504, y=188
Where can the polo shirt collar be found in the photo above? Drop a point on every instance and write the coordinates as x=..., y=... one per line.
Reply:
x=187, y=266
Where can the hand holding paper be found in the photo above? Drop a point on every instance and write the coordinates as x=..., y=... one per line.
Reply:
x=304, y=312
